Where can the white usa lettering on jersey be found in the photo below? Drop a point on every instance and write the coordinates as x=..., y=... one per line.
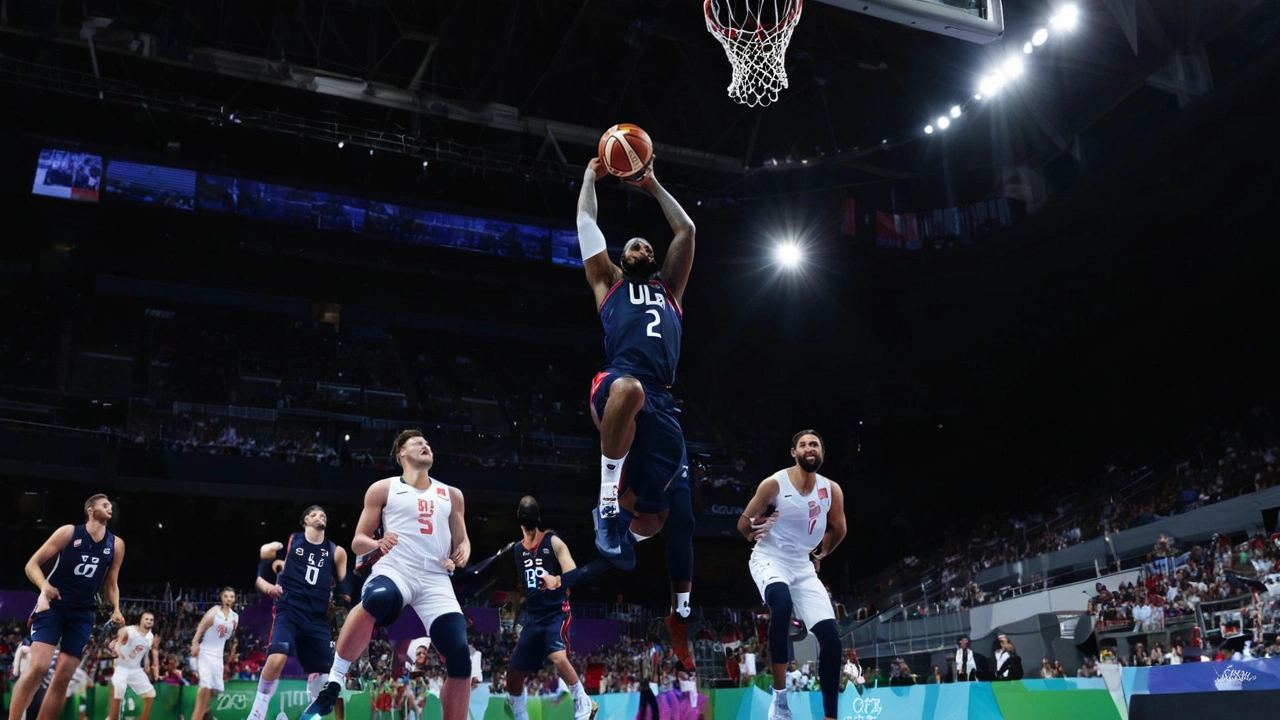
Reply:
x=420, y=518
x=802, y=519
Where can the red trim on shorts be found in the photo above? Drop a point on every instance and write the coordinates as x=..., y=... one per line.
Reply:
x=595, y=384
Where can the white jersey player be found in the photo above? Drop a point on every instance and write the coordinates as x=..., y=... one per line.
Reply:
x=805, y=526
x=208, y=645
x=134, y=645
x=423, y=540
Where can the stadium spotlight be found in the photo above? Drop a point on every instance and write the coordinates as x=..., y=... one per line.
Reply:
x=990, y=84
x=1039, y=37
x=928, y=129
x=1014, y=66
x=426, y=163
x=955, y=111
x=1026, y=48
x=977, y=96
x=371, y=151
x=1066, y=18
x=788, y=254
x=342, y=144
x=944, y=122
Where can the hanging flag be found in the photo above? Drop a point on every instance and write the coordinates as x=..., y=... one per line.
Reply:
x=910, y=232
x=887, y=230
x=848, y=217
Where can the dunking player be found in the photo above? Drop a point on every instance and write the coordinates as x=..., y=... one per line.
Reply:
x=300, y=626
x=424, y=539
x=644, y=480
x=216, y=627
x=809, y=516
x=86, y=559
x=133, y=645
x=544, y=621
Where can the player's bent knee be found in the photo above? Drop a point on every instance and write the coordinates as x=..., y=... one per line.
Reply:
x=827, y=636
x=627, y=390
x=777, y=596
x=382, y=600
x=449, y=634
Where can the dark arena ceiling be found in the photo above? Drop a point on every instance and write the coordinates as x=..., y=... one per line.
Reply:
x=526, y=87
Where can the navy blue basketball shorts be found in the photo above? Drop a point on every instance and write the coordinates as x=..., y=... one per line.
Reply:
x=539, y=639
x=68, y=627
x=305, y=636
x=657, y=462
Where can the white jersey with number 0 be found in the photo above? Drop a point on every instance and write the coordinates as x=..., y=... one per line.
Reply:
x=131, y=652
x=216, y=637
x=420, y=519
x=802, y=519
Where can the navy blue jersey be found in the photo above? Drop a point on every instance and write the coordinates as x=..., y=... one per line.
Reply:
x=81, y=568
x=533, y=563
x=642, y=331
x=307, y=577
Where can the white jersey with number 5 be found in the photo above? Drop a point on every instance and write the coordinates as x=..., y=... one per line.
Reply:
x=216, y=637
x=421, y=521
x=802, y=520
x=133, y=650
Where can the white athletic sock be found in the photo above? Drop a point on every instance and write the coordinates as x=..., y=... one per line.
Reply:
x=517, y=703
x=611, y=470
x=638, y=537
x=338, y=673
x=266, y=689
x=780, y=697
x=682, y=605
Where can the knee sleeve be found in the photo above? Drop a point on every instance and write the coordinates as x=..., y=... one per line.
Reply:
x=828, y=664
x=778, y=597
x=382, y=599
x=679, y=529
x=449, y=635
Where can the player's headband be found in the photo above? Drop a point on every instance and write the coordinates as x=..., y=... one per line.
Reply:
x=634, y=241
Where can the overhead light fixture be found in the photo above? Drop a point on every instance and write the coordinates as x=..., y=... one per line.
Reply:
x=955, y=111
x=928, y=129
x=1026, y=47
x=944, y=122
x=1039, y=37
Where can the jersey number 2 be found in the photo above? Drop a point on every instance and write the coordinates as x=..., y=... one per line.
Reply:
x=652, y=329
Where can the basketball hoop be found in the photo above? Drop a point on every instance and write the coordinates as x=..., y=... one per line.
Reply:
x=756, y=45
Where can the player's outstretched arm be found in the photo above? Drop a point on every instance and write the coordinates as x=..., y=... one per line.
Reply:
x=206, y=622
x=563, y=556
x=750, y=524
x=45, y=555
x=117, y=642
x=601, y=272
x=679, y=261
x=270, y=551
x=370, y=518
x=836, y=526
x=111, y=585
x=461, y=551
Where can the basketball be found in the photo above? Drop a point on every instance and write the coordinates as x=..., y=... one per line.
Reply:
x=625, y=150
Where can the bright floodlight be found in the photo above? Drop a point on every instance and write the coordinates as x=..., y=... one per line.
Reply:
x=1039, y=37
x=1013, y=67
x=788, y=254
x=990, y=84
x=928, y=129
x=944, y=122
x=977, y=96
x=1066, y=17
x=955, y=111
x=1026, y=48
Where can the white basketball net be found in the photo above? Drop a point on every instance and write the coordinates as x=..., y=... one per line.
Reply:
x=756, y=43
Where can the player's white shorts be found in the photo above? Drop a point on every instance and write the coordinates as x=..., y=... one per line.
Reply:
x=430, y=593
x=210, y=667
x=809, y=599
x=134, y=679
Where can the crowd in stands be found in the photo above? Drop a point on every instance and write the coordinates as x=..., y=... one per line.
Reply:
x=1245, y=462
